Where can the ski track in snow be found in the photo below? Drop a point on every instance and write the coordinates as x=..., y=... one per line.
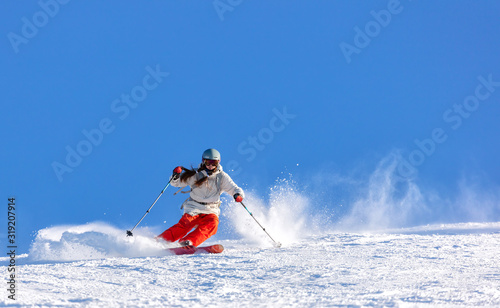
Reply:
x=448, y=266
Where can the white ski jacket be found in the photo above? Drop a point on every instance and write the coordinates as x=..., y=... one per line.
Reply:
x=205, y=199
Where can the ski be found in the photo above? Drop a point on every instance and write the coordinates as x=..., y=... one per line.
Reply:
x=190, y=250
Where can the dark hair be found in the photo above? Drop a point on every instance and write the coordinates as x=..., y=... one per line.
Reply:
x=188, y=173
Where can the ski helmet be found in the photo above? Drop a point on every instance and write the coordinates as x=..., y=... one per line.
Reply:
x=211, y=154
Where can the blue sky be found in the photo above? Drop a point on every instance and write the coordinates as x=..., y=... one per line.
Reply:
x=271, y=85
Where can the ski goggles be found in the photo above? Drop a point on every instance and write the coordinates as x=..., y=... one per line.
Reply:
x=211, y=162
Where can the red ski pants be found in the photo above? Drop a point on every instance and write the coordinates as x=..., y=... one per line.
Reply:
x=205, y=224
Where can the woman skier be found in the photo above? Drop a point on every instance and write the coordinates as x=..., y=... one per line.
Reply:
x=202, y=208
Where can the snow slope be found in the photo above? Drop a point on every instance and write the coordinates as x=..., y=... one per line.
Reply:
x=445, y=265
x=441, y=265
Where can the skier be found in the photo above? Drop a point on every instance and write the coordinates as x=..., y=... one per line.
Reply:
x=202, y=208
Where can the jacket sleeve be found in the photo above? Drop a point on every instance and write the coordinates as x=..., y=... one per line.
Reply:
x=228, y=185
x=176, y=182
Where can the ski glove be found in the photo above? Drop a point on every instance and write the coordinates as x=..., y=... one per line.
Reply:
x=176, y=173
x=238, y=198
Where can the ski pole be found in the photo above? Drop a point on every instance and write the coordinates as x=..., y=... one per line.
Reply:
x=176, y=170
x=277, y=244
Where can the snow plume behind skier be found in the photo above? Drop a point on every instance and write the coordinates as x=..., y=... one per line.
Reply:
x=202, y=208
